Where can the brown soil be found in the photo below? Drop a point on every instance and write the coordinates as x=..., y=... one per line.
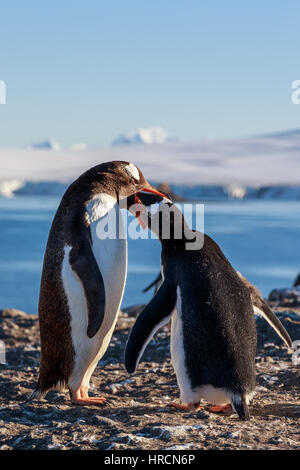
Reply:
x=137, y=415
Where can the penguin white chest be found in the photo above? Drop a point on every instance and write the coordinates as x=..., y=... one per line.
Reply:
x=109, y=247
x=178, y=353
x=111, y=256
x=188, y=394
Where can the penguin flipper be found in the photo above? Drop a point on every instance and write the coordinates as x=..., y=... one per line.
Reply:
x=155, y=315
x=153, y=283
x=264, y=311
x=84, y=264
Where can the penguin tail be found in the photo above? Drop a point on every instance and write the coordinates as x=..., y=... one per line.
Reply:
x=35, y=395
x=42, y=390
x=240, y=406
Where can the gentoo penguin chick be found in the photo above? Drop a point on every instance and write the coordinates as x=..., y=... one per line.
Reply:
x=260, y=307
x=213, y=331
x=83, y=279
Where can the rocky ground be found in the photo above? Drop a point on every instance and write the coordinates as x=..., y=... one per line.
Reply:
x=137, y=415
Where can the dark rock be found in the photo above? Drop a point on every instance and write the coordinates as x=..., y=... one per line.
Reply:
x=133, y=310
x=297, y=281
x=285, y=297
x=266, y=334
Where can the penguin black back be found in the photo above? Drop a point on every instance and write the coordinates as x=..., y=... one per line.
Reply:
x=213, y=336
x=218, y=325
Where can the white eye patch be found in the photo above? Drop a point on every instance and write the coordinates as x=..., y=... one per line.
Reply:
x=132, y=170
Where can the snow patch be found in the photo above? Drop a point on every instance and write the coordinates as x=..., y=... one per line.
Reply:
x=79, y=147
x=296, y=353
x=236, y=191
x=150, y=135
x=46, y=145
x=8, y=188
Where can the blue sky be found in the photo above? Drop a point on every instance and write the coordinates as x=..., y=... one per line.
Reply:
x=87, y=71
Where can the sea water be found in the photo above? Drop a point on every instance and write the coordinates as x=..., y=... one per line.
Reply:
x=260, y=238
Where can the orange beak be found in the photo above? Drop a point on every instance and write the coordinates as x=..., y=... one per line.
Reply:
x=138, y=201
x=153, y=191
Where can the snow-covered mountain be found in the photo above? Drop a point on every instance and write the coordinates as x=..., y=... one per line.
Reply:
x=79, y=147
x=150, y=135
x=9, y=187
x=47, y=145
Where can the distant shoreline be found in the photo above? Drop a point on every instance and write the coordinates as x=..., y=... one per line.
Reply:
x=182, y=192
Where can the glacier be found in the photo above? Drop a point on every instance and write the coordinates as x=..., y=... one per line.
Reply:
x=263, y=167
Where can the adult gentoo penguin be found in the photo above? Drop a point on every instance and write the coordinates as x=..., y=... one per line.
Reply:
x=83, y=279
x=213, y=332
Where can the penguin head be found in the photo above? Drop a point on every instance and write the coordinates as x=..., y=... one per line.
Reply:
x=126, y=179
x=155, y=211
x=118, y=178
x=162, y=217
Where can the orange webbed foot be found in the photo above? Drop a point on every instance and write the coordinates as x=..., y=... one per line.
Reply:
x=81, y=397
x=188, y=407
x=221, y=408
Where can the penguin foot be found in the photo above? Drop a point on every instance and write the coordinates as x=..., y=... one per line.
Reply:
x=89, y=401
x=221, y=408
x=81, y=397
x=188, y=407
